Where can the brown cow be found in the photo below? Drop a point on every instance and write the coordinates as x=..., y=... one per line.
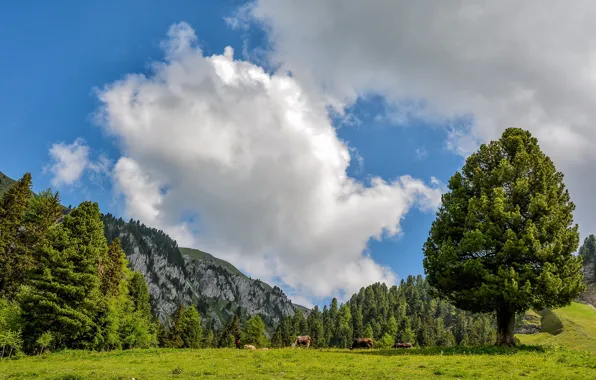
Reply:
x=402, y=345
x=300, y=340
x=362, y=343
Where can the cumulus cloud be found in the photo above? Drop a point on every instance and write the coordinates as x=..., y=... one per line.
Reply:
x=498, y=64
x=70, y=161
x=247, y=165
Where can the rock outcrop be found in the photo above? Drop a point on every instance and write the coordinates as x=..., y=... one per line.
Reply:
x=191, y=277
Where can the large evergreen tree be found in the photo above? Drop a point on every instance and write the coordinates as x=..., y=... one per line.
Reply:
x=504, y=237
x=64, y=296
x=15, y=258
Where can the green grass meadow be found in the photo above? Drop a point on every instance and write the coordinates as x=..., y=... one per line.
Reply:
x=456, y=363
x=565, y=350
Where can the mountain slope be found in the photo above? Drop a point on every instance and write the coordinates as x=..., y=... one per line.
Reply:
x=5, y=182
x=573, y=327
x=188, y=276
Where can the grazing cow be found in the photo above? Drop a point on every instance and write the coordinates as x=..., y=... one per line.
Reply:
x=249, y=347
x=362, y=343
x=402, y=345
x=300, y=340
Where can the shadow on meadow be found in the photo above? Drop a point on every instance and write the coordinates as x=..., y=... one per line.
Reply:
x=432, y=351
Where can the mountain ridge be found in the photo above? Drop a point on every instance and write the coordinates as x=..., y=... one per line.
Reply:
x=178, y=275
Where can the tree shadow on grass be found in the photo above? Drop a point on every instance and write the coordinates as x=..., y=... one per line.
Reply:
x=459, y=350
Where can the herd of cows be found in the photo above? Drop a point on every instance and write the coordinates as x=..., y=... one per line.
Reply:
x=358, y=343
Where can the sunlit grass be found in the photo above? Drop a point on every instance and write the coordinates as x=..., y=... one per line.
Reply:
x=459, y=362
x=572, y=327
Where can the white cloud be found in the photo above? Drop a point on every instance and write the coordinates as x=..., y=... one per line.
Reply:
x=255, y=159
x=70, y=161
x=528, y=64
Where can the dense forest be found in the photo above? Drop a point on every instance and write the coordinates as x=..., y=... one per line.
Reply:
x=406, y=313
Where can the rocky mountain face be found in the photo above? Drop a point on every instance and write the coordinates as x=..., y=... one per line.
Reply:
x=187, y=276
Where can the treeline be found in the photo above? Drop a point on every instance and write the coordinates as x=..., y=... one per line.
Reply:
x=61, y=284
x=406, y=313
x=64, y=285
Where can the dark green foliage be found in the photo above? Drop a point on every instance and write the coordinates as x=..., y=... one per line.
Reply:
x=63, y=296
x=406, y=313
x=139, y=293
x=191, y=331
x=503, y=239
x=185, y=331
x=588, y=253
x=15, y=258
x=111, y=270
x=588, y=250
x=254, y=332
x=232, y=330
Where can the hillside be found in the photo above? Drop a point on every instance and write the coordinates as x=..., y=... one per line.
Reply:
x=573, y=327
x=5, y=182
x=207, y=257
x=189, y=276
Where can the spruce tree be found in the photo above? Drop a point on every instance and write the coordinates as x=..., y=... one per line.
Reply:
x=15, y=258
x=254, y=332
x=63, y=297
x=174, y=336
x=191, y=330
x=112, y=270
x=588, y=252
x=503, y=239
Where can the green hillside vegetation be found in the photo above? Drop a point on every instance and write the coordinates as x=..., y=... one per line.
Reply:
x=5, y=183
x=572, y=327
x=204, y=256
x=454, y=363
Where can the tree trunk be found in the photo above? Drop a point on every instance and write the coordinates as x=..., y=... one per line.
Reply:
x=505, y=327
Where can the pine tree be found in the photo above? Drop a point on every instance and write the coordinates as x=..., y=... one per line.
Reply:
x=277, y=338
x=112, y=270
x=368, y=332
x=254, y=332
x=191, y=330
x=15, y=258
x=315, y=324
x=64, y=297
x=504, y=238
x=392, y=327
x=209, y=338
x=588, y=252
x=139, y=293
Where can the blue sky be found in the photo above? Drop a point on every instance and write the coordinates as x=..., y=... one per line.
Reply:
x=56, y=61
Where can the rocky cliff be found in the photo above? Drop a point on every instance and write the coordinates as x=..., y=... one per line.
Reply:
x=187, y=276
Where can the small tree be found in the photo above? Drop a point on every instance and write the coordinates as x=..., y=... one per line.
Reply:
x=386, y=341
x=191, y=330
x=588, y=252
x=254, y=332
x=368, y=332
x=45, y=341
x=503, y=239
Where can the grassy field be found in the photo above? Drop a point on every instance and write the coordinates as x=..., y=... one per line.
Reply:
x=573, y=327
x=565, y=350
x=457, y=363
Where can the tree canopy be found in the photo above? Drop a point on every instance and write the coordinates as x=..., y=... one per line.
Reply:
x=503, y=239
